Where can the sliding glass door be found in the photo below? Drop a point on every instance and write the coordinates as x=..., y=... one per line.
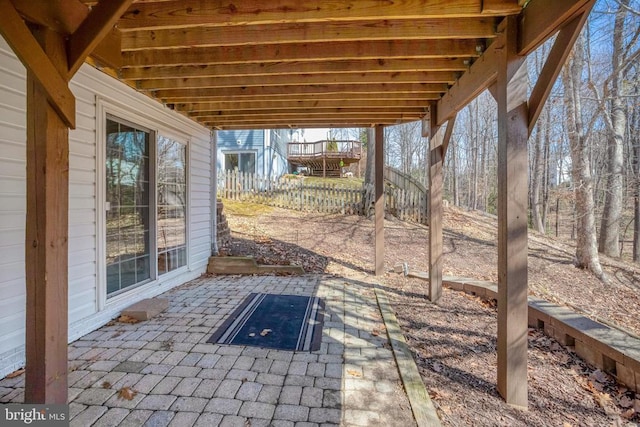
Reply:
x=128, y=196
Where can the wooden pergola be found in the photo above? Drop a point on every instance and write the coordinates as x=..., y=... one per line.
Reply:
x=273, y=64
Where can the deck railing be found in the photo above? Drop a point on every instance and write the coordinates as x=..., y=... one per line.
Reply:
x=325, y=148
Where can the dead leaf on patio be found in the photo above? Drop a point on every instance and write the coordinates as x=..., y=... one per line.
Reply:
x=16, y=373
x=375, y=333
x=106, y=384
x=354, y=373
x=126, y=393
x=127, y=319
x=265, y=332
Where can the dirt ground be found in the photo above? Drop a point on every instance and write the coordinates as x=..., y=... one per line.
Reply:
x=454, y=341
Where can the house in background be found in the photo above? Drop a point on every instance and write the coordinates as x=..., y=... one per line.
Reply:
x=261, y=152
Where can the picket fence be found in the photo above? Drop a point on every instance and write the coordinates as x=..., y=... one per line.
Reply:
x=294, y=193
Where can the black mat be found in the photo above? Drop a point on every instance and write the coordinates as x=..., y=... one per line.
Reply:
x=284, y=322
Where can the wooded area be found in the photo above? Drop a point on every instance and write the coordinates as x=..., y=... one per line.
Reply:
x=584, y=152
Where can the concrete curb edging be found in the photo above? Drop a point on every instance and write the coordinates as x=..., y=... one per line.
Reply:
x=423, y=409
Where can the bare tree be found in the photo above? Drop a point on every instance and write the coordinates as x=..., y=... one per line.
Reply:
x=616, y=120
x=586, y=249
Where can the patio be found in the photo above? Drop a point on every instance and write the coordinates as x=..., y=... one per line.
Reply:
x=176, y=378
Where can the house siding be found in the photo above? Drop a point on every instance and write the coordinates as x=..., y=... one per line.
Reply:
x=271, y=158
x=85, y=309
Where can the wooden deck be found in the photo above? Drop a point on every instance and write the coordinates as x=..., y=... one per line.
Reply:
x=323, y=158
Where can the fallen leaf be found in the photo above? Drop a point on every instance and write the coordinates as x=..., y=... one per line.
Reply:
x=354, y=373
x=628, y=414
x=375, y=333
x=599, y=376
x=106, y=384
x=625, y=402
x=126, y=393
x=127, y=319
x=265, y=332
x=16, y=373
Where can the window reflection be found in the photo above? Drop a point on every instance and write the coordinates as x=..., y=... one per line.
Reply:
x=128, y=211
x=172, y=205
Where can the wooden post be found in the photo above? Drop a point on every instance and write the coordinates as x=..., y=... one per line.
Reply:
x=379, y=197
x=438, y=147
x=510, y=93
x=435, y=209
x=46, y=248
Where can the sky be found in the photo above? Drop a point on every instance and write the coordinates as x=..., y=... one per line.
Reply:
x=312, y=135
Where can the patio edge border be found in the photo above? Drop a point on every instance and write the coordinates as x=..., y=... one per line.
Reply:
x=422, y=407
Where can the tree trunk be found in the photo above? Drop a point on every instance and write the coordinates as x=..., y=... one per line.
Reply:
x=369, y=172
x=609, y=243
x=586, y=248
x=454, y=172
x=635, y=179
x=536, y=181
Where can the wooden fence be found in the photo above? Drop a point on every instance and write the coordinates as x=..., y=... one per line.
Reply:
x=294, y=193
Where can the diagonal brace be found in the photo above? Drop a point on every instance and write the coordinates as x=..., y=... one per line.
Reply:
x=30, y=53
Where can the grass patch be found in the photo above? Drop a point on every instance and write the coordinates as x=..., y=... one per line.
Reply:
x=242, y=208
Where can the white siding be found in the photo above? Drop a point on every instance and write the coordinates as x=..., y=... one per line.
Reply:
x=85, y=230
x=13, y=135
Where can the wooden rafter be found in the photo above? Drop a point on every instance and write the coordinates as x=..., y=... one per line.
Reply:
x=306, y=32
x=351, y=66
x=303, y=52
x=418, y=77
x=186, y=13
x=411, y=90
x=196, y=108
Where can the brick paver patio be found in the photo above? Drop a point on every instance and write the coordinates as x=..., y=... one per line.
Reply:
x=181, y=380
